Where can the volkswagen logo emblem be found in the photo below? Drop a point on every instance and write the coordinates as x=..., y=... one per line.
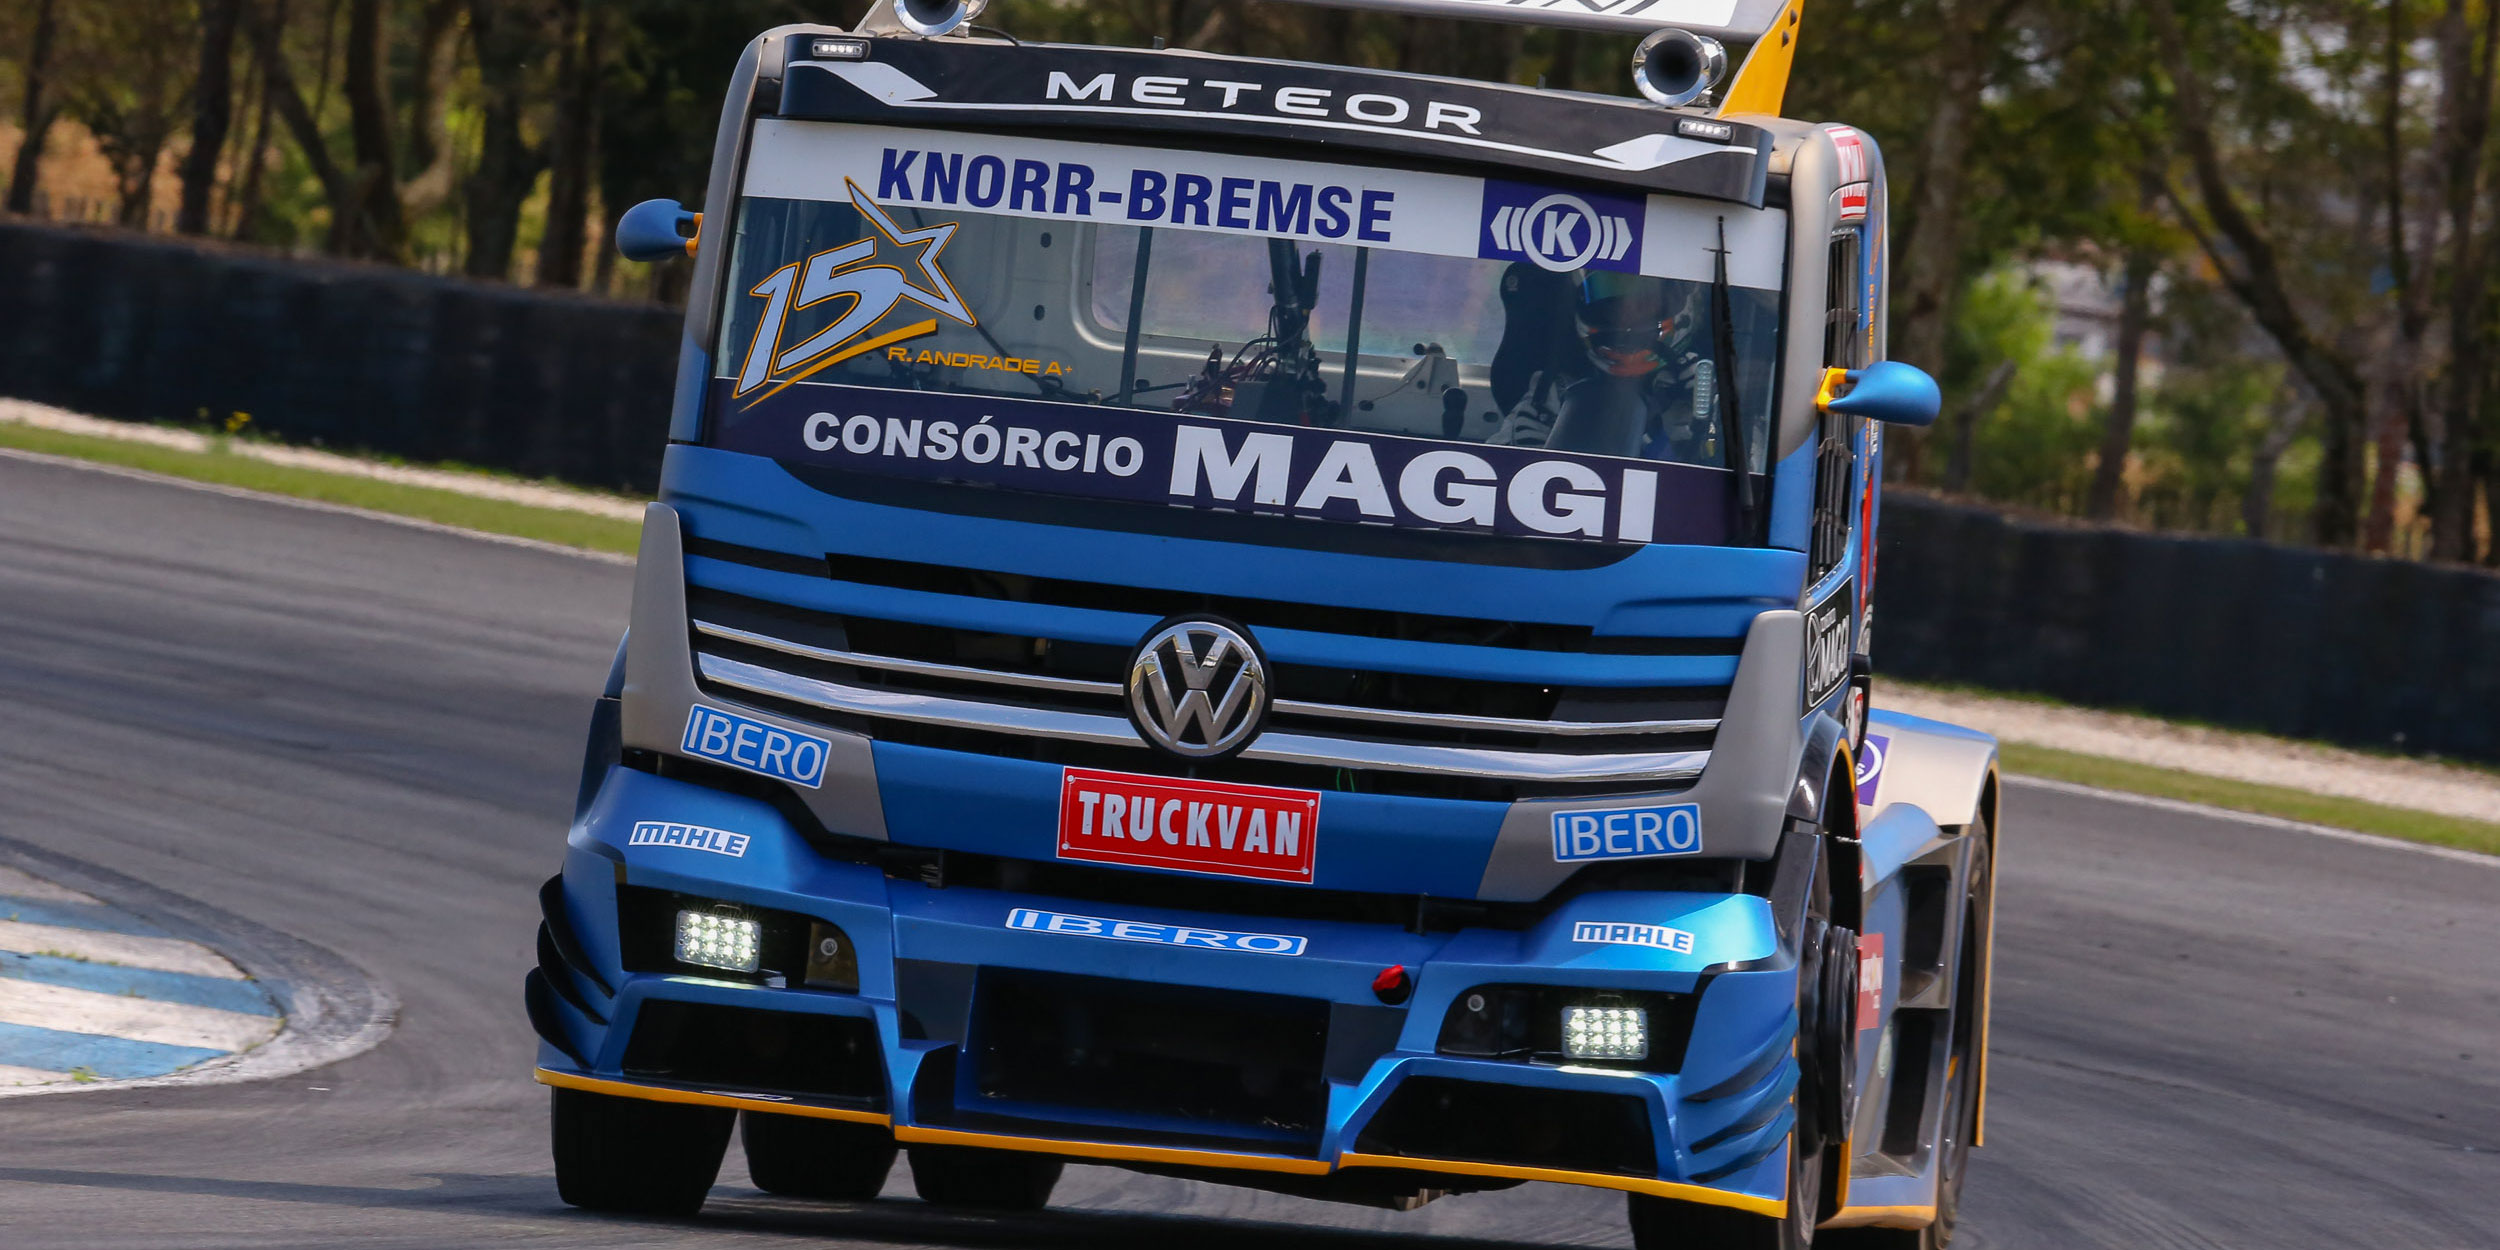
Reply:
x=1197, y=688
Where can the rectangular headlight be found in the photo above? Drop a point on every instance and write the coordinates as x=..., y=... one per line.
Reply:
x=707, y=940
x=1605, y=1033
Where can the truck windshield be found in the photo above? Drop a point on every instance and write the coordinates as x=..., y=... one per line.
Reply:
x=1367, y=301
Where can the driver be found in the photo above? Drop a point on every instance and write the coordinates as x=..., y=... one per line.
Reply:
x=1643, y=383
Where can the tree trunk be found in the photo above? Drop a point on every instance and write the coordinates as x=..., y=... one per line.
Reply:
x=568, y=186
x=2466, y=126
x=347, y=234
x=1930, y=242
x=2246, y=259
x=506, y=164
x=247, y=200
x=35, y=116
x=212, y=113
x=2257, y=505
x=376, y=180
x=134, y=179
x=2401, y=366
x=2135, y=312
x=2487, y=467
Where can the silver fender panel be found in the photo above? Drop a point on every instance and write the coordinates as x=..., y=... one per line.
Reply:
x=1941, y=769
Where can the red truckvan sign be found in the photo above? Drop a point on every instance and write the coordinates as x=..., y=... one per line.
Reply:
x=1228, y=830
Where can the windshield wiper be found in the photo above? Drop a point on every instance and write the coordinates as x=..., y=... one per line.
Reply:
x=1731, y=412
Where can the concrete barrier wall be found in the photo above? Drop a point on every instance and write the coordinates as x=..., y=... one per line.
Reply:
x=353, y=357
x=2308, y=644
x=2303, y=643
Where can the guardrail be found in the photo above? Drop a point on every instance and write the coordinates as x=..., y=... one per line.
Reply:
x=2285, y=640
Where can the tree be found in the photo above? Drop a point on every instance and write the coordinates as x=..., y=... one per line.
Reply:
x=129, y=92
x=212, y=112
x=38, y=107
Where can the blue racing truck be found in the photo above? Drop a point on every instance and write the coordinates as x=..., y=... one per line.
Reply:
x=1280, y=624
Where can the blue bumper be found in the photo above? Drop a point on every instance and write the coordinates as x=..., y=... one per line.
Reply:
x=931, y=961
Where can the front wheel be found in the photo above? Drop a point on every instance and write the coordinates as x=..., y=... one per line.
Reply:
x=804, y=1157
x=985, y=1180
x=1823, y=972
x=635, y=1156
x=1665, y=1224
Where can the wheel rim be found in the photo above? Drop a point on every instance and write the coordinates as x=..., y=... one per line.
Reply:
x=1961, y=1121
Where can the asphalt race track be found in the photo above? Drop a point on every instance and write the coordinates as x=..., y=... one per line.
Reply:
x=2208, y=1034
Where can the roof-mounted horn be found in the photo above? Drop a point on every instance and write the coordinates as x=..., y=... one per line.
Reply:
x=1768, y=27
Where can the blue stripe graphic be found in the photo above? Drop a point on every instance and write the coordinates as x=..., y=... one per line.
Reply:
x=149, y=983
x=94, y=916
x=58, y=1050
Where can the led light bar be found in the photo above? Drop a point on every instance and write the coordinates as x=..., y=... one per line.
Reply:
x=1605, y=1033
x=707, y=940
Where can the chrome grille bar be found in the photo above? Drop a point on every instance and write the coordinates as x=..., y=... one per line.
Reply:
x=1283, y=748
x=1284, y=707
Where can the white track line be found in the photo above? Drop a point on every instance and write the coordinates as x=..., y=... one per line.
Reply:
x=12, y=1075
x=312, y=505
x=161, y=954
x=15, y=884
x=484, y=486
x=139, y=1019
x=2455, y=854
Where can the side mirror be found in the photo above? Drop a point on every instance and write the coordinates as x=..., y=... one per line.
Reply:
x=657, y=230
x=1893, y=392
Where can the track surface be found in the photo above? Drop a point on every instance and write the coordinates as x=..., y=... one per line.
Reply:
x=2208, y=1034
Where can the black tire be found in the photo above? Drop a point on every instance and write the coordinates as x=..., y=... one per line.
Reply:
x=636, y=1156
x=1961, y=1116
x=983, y=1180
x=805, y=1157
x=1667, y=1224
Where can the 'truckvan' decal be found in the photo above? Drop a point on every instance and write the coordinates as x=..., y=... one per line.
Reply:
x=1215, y=827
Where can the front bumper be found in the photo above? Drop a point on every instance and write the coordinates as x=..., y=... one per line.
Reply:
x=1185, y=1056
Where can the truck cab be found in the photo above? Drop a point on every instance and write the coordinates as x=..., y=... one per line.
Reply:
x=1286, y=624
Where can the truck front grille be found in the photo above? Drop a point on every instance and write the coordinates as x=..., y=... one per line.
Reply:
x=1062, y=701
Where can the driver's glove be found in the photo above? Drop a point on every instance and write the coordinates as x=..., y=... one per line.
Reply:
x=1530, y=422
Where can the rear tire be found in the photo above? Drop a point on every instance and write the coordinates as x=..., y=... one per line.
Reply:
x=635, y=1156
x=806, y=1157
x=1961, y=1115
x=983, y=1180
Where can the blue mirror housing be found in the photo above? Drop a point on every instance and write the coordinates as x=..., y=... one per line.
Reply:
x=1891, y=392
x=657, y=230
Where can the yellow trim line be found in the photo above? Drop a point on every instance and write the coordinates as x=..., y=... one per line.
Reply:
x=706, y=1098
x=1112, y=1152
x=1772, y=1208
x=1106, y=1150
x=1882, y=1217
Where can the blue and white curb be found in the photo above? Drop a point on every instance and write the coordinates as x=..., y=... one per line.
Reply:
x=89, y=993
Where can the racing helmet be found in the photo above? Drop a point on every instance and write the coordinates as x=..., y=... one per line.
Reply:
x=1629, y=323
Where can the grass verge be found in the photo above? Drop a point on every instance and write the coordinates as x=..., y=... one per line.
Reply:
x=573, y=529
x=2247, y=796
x=497, y=516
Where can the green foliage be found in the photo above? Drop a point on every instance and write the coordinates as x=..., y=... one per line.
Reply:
x=2034, y=446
